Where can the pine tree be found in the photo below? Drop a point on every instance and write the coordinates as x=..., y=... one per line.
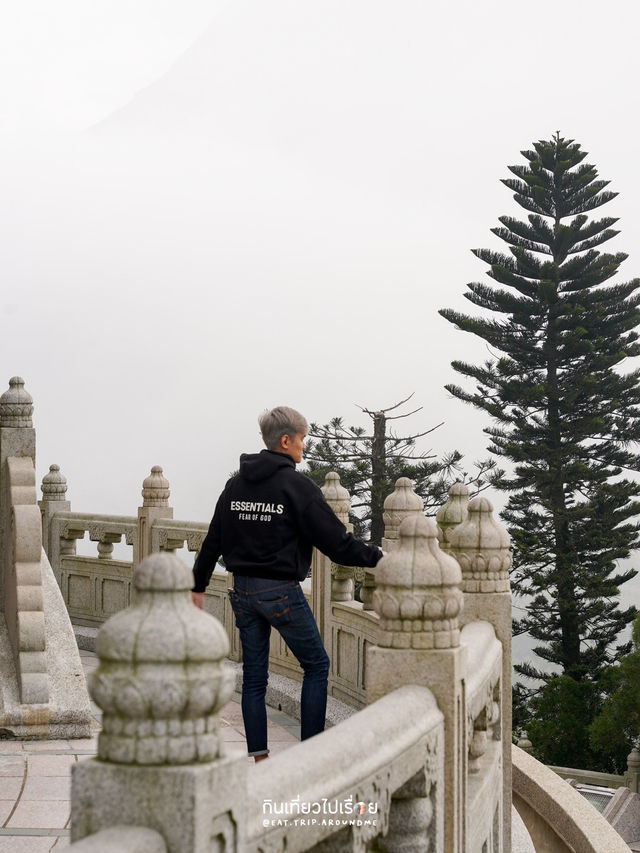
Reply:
x=564, y=413
x=370, y=463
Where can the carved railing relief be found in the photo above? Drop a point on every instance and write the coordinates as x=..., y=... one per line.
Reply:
x=170, y=535
x=40, y=697
x=483, y=722
x=24, y=609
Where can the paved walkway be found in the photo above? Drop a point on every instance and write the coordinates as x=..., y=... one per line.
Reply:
x=35, y=776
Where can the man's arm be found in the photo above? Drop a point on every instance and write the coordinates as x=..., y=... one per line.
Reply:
x=208, y=556
x=325, y=530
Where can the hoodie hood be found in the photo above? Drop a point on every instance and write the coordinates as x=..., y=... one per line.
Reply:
x=256, y=467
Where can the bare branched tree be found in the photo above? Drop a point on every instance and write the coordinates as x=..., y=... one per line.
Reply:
x=369, y=463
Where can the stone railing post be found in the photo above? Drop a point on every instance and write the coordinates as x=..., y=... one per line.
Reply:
x=338, y=498
x=419, y=599
x=482, y=548
x=17, y=438
x=161, y=683
x=155, y=505
x=453, y=513
x=54, y=499
x=402, y=503
x=632, y=776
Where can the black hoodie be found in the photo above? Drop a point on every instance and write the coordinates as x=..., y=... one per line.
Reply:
x=267, y=521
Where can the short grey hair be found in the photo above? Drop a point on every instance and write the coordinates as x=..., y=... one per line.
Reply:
x=281, y=421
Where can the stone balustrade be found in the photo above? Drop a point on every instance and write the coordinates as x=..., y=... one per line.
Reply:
x=161, y=681
x=419, y=768
x=93, y=588
x=424, y=662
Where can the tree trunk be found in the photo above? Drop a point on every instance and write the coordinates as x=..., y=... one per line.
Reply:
x=564, y=578
x=378, y=476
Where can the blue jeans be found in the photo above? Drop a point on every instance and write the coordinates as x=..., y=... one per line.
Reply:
x=259, y=604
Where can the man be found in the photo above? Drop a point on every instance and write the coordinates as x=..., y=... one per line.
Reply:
x=266, y=523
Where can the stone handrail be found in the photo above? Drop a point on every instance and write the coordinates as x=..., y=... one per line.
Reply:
x=66, y=527
x=96, y=524
x=42, y=690
x=366, y=760
x=168, y=534
x=593, y=777
x=557, y=816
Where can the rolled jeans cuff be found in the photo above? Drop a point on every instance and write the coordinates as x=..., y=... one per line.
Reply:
x=259, y=752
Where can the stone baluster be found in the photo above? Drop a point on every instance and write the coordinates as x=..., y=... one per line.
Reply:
x=105, y=550
x=411, y=817
x=54, y=500
x=419, y=600
x=367, y=589
x=155, y=505
x=453, y=513
x=161, y=682
x=481, y=546
x=338, y=498
x=104, y=538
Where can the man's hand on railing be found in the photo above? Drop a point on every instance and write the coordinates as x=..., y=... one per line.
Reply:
x=198, y=599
